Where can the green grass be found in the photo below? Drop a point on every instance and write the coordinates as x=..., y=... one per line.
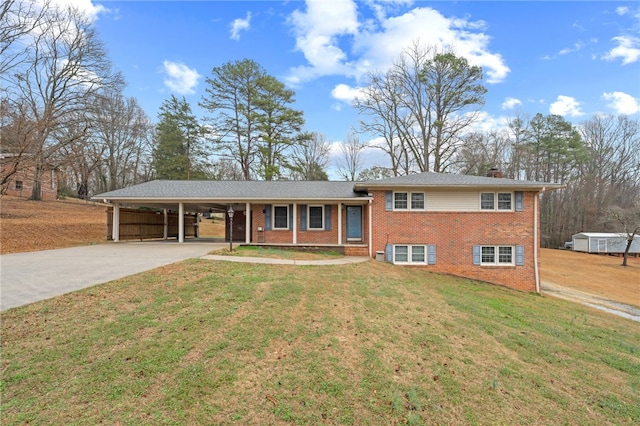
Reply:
x=280, y=253
x=204, y=342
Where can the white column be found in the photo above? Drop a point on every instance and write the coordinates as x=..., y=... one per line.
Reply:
x=339, y=223
x=115, y=230
x=180, y=222
x=370, y=228
x=166, y=224
x=295, y=225
x=536, y=240
x=247, y=223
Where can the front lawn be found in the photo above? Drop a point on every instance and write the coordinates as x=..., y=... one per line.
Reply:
x=204, y=342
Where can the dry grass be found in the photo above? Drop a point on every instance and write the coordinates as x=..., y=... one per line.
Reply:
x=600, y=275
x=42, y=225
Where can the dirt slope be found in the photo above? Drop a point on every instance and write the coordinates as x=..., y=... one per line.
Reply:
x=41, y=225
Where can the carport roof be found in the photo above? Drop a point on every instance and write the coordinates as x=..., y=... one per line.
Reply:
x=234, y=191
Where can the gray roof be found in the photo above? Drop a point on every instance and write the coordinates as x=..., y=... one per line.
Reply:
x=234, y=190
x=240, y=191
x=444, y=180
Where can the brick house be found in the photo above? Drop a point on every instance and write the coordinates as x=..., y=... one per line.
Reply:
x=21, y=182
x=484, y=228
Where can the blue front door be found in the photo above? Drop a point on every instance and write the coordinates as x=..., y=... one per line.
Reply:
x=354, y=222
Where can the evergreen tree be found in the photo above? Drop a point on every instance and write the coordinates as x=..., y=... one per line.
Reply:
x=179, y=152
x=251, y=118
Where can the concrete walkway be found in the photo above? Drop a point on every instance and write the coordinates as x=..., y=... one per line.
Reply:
x=30, y=277
x=586, y=299
x=337, y=261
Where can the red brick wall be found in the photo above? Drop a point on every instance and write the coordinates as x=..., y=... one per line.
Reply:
x=455, y=234
x=49, y=184
x=308, y=237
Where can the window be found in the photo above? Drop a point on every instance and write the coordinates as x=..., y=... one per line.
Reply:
x=488, y=201
x=316, y=214
x=497, y=255
x=280, y=217
x=401, y=254
x=18, y=185
x=417, y=254
x=504, y=201
x=401, y=200
x=409, y=254
x=417, y=201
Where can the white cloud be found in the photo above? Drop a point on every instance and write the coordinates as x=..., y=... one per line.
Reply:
x=180, y=78
x=510, y=103
x=566, y=106
x=576, y=46
x=622, y=103
x=628, y=49
x=87, y=7
x=335, y=42
x=345, y=93
x=317, y=31
x=240, y=25
x=622, y=10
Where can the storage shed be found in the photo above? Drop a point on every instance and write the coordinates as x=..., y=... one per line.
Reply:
x=604, y=242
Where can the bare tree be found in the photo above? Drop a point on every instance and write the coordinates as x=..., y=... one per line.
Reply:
x=66, y=68
x=350, y=163
x=19, y=21
x=629, y=219
x=422, y=106
x=381, y=102
x=123, y=128
x=310, y=159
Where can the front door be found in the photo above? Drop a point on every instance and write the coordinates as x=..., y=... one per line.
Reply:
x=354, y=223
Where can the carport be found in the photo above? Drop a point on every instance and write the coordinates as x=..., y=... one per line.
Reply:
x=282, y=213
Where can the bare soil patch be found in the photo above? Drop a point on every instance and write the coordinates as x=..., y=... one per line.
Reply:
x=600, y=275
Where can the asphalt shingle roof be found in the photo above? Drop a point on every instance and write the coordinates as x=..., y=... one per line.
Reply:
x=431, y=179
x=235, y=190
x=305, y=190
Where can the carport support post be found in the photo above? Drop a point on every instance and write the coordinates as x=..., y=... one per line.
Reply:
x=115, y=229
x=166, y=224
x=180, y=222
x=247, y=223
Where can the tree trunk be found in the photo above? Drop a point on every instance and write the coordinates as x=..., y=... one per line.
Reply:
x=626, y=250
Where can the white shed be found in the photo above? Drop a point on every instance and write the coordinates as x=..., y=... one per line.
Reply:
x=604, y=242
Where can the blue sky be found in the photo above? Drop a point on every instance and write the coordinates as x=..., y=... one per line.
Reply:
x=575, y=58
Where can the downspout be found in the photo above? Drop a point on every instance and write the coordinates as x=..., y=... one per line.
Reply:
x=536, y=240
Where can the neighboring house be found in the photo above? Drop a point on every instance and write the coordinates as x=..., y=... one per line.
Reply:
x=604, y=242
x=20, y=184
x=483, y=228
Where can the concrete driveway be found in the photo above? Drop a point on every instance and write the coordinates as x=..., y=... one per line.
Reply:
x=29, y=277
